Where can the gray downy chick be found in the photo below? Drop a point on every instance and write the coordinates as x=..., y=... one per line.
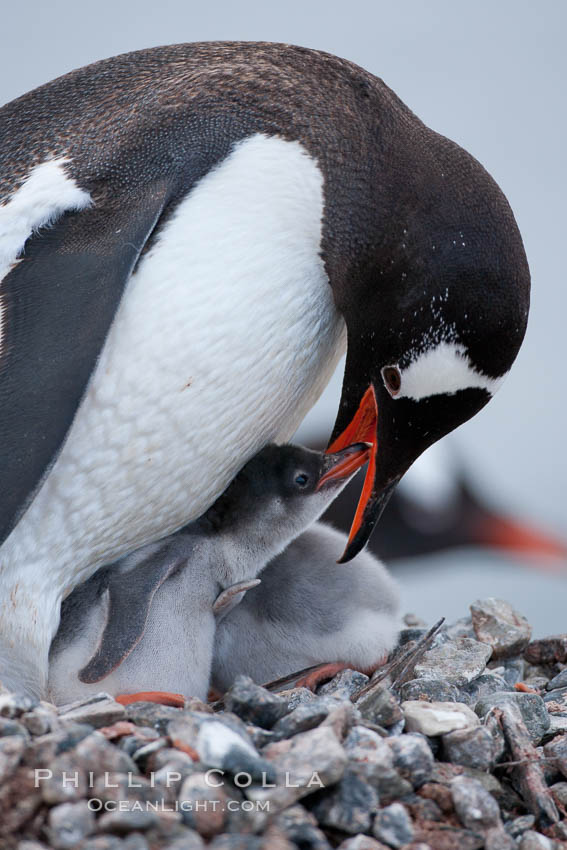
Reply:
x=147, y=622
x=309, y=610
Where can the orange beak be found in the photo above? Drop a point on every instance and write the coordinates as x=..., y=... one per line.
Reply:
x=362, y=429
x=343, y=464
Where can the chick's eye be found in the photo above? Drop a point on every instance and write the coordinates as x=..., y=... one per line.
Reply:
x=392, y=379
x=301, y=480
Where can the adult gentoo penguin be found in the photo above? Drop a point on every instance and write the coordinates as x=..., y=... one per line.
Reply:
x=190, y=236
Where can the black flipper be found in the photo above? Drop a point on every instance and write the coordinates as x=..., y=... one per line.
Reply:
x=58, y=303
x=130, y=598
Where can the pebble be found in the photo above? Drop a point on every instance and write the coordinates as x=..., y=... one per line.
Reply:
x=432, y=690
x=350, y=806
x=303, y=764
x=476, y=808
x=98, y=710
x=255, y=704
x=372, y=758
x=122, y=822
x=457, y=661
x=301, y=827
x=559, y=681
x=364, y=842
x=547, y=650
x=484, y=685
x=535, y=841
x=393, y=826
x=437, y=718
x=218, y=745
x=532, y=709
x=472, y=747
x=412, y=757
x=69, y=823
x=344, y=684
x=496, y=623
x=557, y=750
x=306, y=716
x=380, y=706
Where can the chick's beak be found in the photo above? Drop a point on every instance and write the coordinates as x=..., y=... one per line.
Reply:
x=364, y=427
x=343, y=464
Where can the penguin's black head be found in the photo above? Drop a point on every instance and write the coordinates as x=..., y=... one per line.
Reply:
x=436, y=309
x=283, y=489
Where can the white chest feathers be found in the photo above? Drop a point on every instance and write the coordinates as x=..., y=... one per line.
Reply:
x=225, y=337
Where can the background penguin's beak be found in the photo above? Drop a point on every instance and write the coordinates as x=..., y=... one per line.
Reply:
x=343, y=464
x=364, y=426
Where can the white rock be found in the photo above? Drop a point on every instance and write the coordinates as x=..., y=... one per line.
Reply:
x=437, y=718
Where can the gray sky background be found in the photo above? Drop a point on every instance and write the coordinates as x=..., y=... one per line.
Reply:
x=490, y=75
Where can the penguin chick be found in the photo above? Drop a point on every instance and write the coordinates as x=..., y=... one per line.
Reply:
x=150, y=618
x=309, y=610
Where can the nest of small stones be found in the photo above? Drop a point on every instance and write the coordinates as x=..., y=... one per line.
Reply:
x=460, y=742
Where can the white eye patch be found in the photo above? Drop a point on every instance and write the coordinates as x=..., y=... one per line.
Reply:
x=444, y=369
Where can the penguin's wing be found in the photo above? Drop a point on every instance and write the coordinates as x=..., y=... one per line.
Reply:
x=232, y=596
x=130, y=598
x=57, y=303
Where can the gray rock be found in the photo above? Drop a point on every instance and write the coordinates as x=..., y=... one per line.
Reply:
x=218, y=744
x=121, y=822
x=496, y=623
x=297, y=696
x=103, y=842
x=379, y=706
x=190, y=840
x=96, y=754
x=344, y=684
x=437, y=718
x=520, y=825
x=559, y=681
x=303, y=764
x=471, y=747
x=204, y=804
x=306, y=716
x=559, y=791
x=457, y=661
x=98, y=710
x=69, y=823
x=514, y=670
x=413, y=758
x=10, y=727
x=486, y=684
x=556, y=700
x=476, y=808
x=557, y=751
x=349, y=807
x=255, y=704
x=11, y=752
x=152, y=714
x=65, y=783
x=41, y=719
x=301, y=827
x=497, y=838
x=136, y=841
x=364, y=842
x=14, y=705
x=557, y=724
x=372, y=758
x=535, y=841
x=532, y=708
x=433, y=690
x=393, y=826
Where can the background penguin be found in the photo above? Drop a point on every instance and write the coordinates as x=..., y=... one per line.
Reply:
x=150, y=619
x=309, y=610
x=190, y=238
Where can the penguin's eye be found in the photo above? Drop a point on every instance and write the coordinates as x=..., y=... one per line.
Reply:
x=392, y=379
x=302, y=480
